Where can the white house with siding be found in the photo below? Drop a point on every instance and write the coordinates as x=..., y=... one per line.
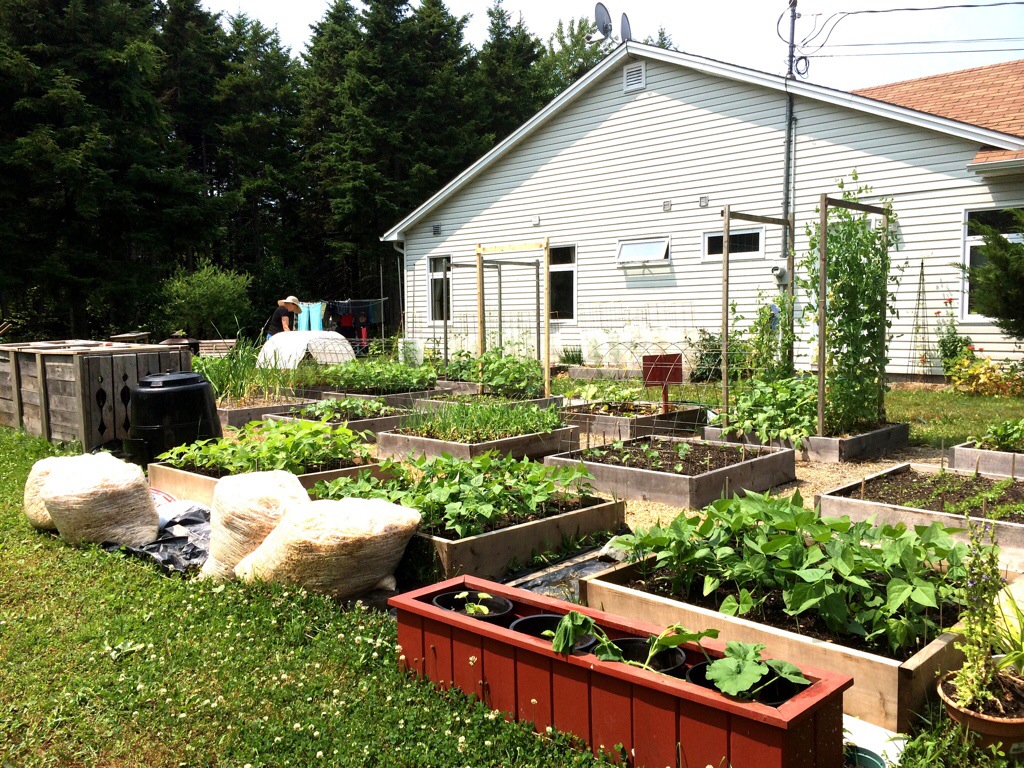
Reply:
x=627, y=171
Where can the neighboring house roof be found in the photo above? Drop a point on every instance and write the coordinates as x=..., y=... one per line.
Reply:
x=990, y=97
x=988, y=137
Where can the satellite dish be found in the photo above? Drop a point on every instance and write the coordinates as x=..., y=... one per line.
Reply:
x=603, y=19
x=627, y=33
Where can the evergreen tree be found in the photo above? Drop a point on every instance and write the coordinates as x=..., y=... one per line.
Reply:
x=510, y=85
x=94, y=197
x=663, y=40
x=997, y=282
x=569, y=56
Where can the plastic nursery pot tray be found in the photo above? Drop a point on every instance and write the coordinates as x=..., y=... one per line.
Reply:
x=885, y=692
x=967, y=456
x=488, y=555
x=534, y=445
x=370, y=426
x=658, y=719
x=182, y=484
x=867, y=445
x=845, y=500
x=754, y=469
x=612, y=425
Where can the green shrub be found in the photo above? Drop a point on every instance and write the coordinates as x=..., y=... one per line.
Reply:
x=210, y=302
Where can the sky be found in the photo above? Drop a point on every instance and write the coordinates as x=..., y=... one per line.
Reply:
x=744, y=31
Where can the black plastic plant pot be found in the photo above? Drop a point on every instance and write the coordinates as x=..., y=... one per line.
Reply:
x=668, y=662
x=698, y=675
x=538, y=624
x=498, y=608
x=862, y=758
x=775, y=693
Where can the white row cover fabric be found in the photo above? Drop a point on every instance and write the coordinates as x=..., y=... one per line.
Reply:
x=286, y=350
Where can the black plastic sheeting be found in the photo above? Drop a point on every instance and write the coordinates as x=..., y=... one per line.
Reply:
x=183, y=542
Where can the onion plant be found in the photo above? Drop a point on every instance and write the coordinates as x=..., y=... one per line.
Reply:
x=465, y=423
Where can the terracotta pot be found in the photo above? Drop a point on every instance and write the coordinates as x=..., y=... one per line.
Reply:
x=987, y=730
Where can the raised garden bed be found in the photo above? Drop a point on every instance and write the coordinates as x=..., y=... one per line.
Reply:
x=877, y=442
x=239, y=416
x=886, y=692
x=533, y=446
x=397, y=400
x=658, y=720
x=193, y=486
x=479, y=398
x=967, y=456
x=917, y=494
x=629, y=420
x=460, y=387
x=730, y=469
x=368, y=426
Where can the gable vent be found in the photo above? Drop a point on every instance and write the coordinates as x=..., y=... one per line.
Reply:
x=436, y=229
x=634, y=77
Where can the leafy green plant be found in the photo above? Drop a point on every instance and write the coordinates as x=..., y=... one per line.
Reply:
x=461, y=366
x=880, y=584
x=571, y=356
x=474, y=609
x=464, y=423
x=511, y=375
x=298, y=446
x=376, y=376
x=861, y=305
x=743, y=673
x=238, y=378
x=707, y=363
x=982, y=376
x=785, y=409
x=605, y=389
x=952, y=344
x=347, y=409
x=466, y=498
x=771, y=338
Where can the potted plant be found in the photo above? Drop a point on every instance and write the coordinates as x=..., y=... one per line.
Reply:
x=985, y=695
x=472, y=602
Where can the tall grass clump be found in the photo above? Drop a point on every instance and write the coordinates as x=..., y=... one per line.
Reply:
x=239, y=378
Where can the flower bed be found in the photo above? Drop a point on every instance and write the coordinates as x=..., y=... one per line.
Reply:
x=366, y=416
x=921, y=494
x=630, y=420
x=867, y=445
x=681, y=471
x=764, y=570
x=481, y=515
x=657, y=719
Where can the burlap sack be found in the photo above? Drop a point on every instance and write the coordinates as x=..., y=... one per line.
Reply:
x=98, y=498
x=340, y=548
x=245, y=509
x=35, y=510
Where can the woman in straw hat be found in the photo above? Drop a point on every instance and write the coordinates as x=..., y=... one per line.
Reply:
x=282, y=319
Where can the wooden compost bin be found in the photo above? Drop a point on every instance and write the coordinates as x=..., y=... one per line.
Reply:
x=658, y=719
x=85, y=392
x=885, y=692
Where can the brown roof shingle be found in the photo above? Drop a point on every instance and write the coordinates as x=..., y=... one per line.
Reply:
x=989, y=97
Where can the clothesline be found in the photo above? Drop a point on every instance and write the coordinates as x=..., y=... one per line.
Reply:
x=342, y=312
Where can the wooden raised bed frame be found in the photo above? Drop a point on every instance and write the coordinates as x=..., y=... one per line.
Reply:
x=541, y=402
x=239, y=417
x=834, y=450
x=85, y=393
x=773, y=467
x=1010, y=536
x=488, y=555
x=885, y=692
x=533, y=445
x=399, y=400
x=370, y=426
x=199, y=488
x=658, y=720
x=686, y=418
x=965, y=456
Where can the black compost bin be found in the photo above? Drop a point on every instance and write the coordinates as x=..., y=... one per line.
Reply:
x=168, y=410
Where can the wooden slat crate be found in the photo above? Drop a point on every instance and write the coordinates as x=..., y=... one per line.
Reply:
x=78, y=390
x=215, y=347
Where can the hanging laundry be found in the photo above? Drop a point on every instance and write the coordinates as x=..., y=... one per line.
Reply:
x=316, y=316
x=303, y=318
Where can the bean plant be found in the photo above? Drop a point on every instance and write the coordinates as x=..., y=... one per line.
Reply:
x=503, y=374
x=860, y=307
x=376, y=377
x=297, y=446
x=888, y=585
x=466, y=498
x=1005, y=436
x=472, y=423
x=785, y=409
x=347, y=409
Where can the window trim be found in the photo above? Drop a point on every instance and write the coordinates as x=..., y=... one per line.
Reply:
x=575, y=280
x=620, y=262
x=431, y=276
x=742, y=256
x=966, y=241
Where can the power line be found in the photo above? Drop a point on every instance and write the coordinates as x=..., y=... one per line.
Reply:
x=909, y=53
x=932, y=42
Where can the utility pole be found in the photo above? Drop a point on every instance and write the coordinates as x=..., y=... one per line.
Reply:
x=787, y=167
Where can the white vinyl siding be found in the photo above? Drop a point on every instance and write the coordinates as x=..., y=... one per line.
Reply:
x=600, y=171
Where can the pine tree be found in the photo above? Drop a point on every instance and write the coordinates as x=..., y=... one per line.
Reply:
x=663, y=40
x=510, y=84
x=997, y=282
x=570, y=56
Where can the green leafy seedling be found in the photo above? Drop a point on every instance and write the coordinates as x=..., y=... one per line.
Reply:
x=743, y=673
x=473, y=608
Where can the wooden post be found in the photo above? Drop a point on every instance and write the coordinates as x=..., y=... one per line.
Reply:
x=500, y=339
x=547, y=319
x=44, y=397
x=536, y=300
x=16, y=389
x=822, y=288
x=885, y=302
x=725, y=316
x=446, y=277
x=481, y=323
x=790, y=268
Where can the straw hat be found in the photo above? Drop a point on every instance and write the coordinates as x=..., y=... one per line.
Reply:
x=293, y=301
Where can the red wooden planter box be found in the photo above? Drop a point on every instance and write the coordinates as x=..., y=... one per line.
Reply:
x=659, y=720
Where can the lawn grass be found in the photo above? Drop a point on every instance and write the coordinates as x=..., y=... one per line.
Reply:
x=106, y=662
x=940, y=417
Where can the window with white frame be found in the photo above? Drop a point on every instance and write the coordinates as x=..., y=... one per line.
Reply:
x=643, y=250
x=563, y=282
x=440, y=288
x=1001, y=219
x=743, y=243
